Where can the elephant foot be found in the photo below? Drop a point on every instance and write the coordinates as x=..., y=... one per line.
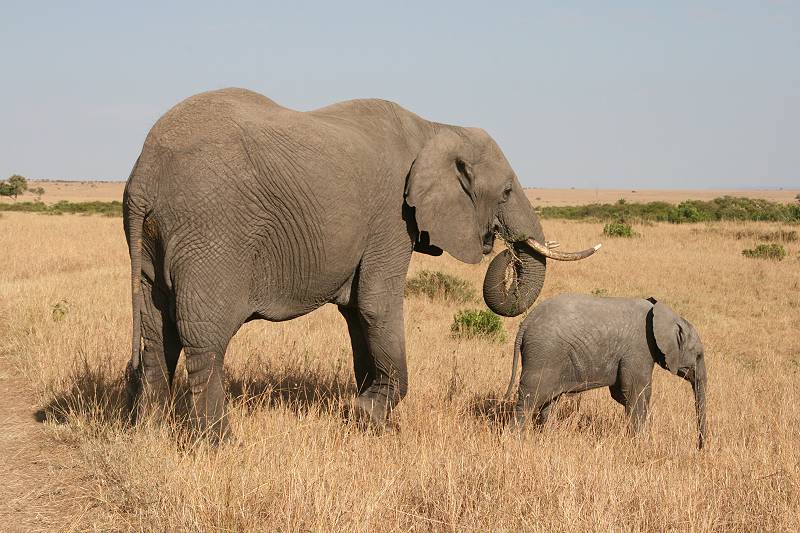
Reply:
x=370, y=413
x=148, y=403
x=215, y=434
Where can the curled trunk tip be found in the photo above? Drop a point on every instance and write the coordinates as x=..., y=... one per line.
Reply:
x=513, y=280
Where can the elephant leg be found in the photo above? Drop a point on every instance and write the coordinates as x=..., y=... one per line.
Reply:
x=637, y=400
x=530, y=407
x=544, y=413
x=617, y=394
x=381, y=286
x=362, y=361
x=151, y=395
x=205, y=331
x=384, y=335
x=637, y=410
x=205, y=372
x=538, y=388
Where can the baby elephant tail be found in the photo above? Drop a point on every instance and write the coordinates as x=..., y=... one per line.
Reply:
x=515, y=361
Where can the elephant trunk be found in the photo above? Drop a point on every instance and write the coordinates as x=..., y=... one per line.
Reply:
x=516, y=275
x=699, y=387
x=514, y=279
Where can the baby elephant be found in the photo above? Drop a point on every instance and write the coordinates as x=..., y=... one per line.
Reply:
x=572, y=343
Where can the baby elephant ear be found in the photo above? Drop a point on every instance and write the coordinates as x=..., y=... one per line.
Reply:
x=669, y=335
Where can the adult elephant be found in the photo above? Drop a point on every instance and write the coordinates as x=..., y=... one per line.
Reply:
x=240, y=209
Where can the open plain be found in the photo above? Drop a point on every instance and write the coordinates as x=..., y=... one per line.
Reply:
x=297, y=463
x=107, y=191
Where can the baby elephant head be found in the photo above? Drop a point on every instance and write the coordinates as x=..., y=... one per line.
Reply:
x=683, y=355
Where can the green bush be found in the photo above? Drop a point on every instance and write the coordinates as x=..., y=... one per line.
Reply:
x=773, y=251
x=473, y=323
x=618, y=229
x=60, y=310
x=686, y=212
x=109, y=209
x=438, y=285
x=723, y=208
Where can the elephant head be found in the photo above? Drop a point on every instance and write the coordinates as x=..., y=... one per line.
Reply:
x=683, y=355
x=464, y=193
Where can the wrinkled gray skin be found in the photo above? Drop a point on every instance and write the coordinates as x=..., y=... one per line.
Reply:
x=573, y=343
x=240, y=209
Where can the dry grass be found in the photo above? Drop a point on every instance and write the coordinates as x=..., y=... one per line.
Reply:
x=73, y=191
x=106, y=191
x=298, y=464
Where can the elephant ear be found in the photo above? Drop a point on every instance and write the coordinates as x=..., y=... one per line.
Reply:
x=669, y=334
x=441, y=188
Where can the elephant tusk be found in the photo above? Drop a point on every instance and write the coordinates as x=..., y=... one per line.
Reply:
x=552, y=245
x=561, y=256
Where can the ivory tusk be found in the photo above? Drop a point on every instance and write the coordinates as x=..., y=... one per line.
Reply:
x=561, y=256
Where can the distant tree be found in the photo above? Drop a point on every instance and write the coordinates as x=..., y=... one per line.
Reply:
x=13, y=186
x=38, y=191
x=797, y=197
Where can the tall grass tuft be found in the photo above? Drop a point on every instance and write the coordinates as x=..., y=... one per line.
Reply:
x=440, y=286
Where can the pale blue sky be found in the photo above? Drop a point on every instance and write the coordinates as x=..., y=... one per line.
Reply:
x=578, y=94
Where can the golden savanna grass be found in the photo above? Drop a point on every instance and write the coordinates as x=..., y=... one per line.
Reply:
x=298, y=464
x=106, y=191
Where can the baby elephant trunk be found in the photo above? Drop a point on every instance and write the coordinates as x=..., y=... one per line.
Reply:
x=698, y=381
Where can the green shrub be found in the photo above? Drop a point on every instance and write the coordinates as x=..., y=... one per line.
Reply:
x=723, y=208
x=438, y=285
x=618, y=229
x=109, y=209
x=772, y=251
x=686, y=212
x=472, y=323
x=60, y=310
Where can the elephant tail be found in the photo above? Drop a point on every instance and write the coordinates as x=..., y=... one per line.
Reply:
x=515, y=358
x=134, y=214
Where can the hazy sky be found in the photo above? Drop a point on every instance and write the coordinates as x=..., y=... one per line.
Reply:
x=623, y=94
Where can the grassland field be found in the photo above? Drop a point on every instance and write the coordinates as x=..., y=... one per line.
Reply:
x=106, y=191
x=298, y=464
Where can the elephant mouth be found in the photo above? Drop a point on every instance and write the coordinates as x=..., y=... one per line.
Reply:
x=488, y=242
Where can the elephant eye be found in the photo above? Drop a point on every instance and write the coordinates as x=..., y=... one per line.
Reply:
x=506, y=193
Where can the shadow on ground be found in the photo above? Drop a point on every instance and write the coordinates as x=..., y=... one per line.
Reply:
x=498, y=413
x=100, y=395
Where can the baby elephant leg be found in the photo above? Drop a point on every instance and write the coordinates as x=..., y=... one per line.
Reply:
x=535, y=396
x=635, y=389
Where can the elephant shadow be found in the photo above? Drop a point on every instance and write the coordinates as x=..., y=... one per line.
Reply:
x=497, y=412
x=97, y=395
x=301, y=391
x=100, y=395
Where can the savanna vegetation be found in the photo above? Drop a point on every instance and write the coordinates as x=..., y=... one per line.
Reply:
x=732, y=208
x=13, y=186
x=297, y=461
x=722, y=208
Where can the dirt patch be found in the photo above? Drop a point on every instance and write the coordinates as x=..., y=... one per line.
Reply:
x=40, y=478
